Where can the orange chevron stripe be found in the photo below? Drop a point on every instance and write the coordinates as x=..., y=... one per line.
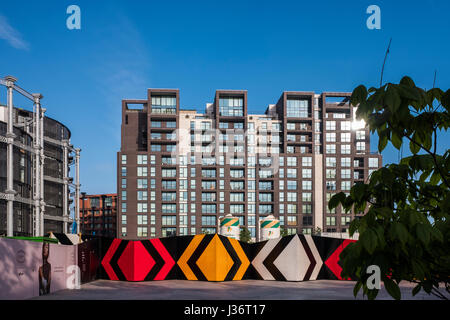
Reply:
x=182, y=262
x=242, y=256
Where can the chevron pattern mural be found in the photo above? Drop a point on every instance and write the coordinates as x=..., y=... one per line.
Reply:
x=217, y=258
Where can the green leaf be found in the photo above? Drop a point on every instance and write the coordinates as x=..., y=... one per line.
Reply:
x=369, y=240
x=435, y=178
x=392, y=99
x=357, y=288
x=359, y=95
x=398, y=231
x=382, y=142
x=407, y=81
x=336, y=199
x=445, y=100
x=396, y=140
x=423, y=233
x=416, y=289
x=414, y=147
x=392, y=288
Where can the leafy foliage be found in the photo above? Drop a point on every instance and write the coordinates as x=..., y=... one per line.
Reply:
x=405, y=229
x=245, y=235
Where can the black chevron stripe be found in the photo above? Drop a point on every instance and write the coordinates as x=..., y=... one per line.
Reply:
x=276, y=251
x=234, y=257
x=196, y=255
x=159, y=261
x=310, y=255
x=120, y=249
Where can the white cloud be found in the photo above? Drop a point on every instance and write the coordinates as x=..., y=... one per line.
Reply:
x=11, y=35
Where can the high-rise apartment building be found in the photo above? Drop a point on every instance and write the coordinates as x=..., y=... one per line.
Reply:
x=179, y=171
x=98, y=214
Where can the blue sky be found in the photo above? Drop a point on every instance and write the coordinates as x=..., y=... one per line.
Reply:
x=265, y=47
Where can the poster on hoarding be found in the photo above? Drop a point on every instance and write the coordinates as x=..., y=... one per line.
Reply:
x=29, y=269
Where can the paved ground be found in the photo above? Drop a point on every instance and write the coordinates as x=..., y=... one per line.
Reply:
x=233, y=290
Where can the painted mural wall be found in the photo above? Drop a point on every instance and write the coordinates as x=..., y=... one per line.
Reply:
x=29, y=269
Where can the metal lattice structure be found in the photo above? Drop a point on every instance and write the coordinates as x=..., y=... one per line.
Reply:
x=36, y=192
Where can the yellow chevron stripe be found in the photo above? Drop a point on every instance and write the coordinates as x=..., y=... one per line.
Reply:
x=182, y=262
x=245, y=263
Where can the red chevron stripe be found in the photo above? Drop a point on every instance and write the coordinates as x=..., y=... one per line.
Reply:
x=169, y=262
x=332, y=261
x=107, y=259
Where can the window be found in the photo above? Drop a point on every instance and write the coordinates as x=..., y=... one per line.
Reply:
x=208, y=208
x=169, y=220
x=330, y=148
x=292, y=197
x=373, y=162
x=345, y=137
x=208, y=196
x=306, y=185
x=169, y=232
x=142, y=183
x=265, y=208
x=331, y=137
x=307, y=161
x=291, y=220
x=292, y=185
x=306, y=196
x=168, y=196
x=208, y=173
x=237, y=208
x=124, y=171
x=330, y=125
x=331, y=173
x=141, y=171
x=236, y=197
x=208, y=230
x=169, y=173
x=124, y=219
x=142, y=219
x=345, y=173
x=209, y=221
x=307, y=221
x=231, y=107
x=291, y=161
x=141, y=207
x=169, y=208
x=169, y=184
x=331, y=185
x=360, y=146
x=155, y=147
x=345, y=148
x=331, y=221
x=124, y=159
x=307, y=208
x=265, y=197
x=171, y=124
x=208, y=185
x=297, y=108
x=291, y=208
x=345, y=162
x=346, y=125
x=360, y=135
x=290, y=126
x=142, y=231
x=124, y=183
x=142, y=195
x=156, y=124
x=331, y=162
x=307, y=173
x=345, y=185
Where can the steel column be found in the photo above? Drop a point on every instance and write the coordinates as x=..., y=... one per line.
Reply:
x=10, y=156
